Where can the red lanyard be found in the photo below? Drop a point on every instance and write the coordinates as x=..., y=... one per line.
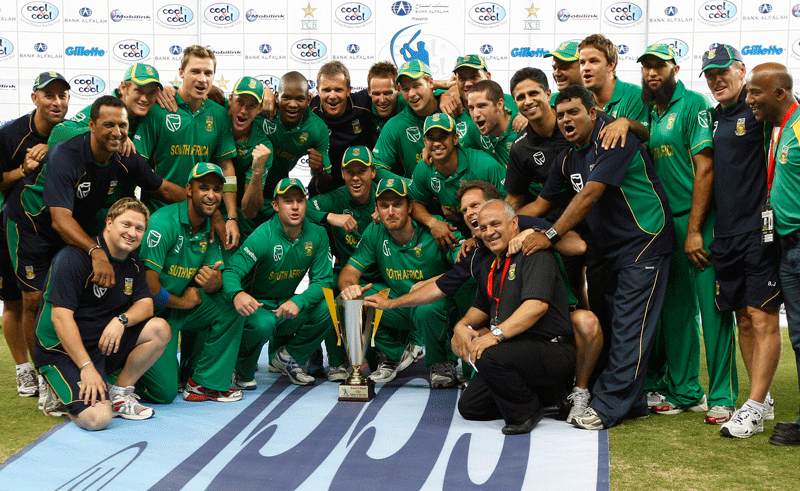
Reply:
x=774, y=143
x=490, y=284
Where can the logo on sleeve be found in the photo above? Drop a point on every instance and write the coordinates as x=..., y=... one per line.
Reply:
x=153, y=238
x=577, y=182
x=413, y=134
x=386, y=251
x=250, y=253
x=740, y=129
x=277, y=253
x=512, y=272
x=538, y=158
x=128, y=286
x=98, y=292
x=436, y=185
x=269, y=127
x=461, y=129
x=83, y=189
x=173, y=122
x=703, y=119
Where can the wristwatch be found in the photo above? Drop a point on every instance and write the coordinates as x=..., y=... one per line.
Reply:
x=123, y=319
x=498, y=333
x=552, y=235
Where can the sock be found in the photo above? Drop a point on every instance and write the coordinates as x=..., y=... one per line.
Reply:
x=756, y=405
x=579, y=390
x=115, y=390
x=24, y=367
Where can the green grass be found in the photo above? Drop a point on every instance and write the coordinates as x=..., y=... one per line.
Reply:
x=663, y=452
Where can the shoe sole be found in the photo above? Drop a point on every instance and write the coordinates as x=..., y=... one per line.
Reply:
x=194, y=397
x=444, y=385
x=724, y=431
x=133, y=417
x=710, y=420
x=337, y=378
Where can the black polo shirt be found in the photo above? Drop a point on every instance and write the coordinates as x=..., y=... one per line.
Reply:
x=16, y=137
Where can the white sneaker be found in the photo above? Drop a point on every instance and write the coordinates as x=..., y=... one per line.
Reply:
x=443, y=375
x=26, y=383
x=744, y=423
x=719, y=414
x=238, y=384
x=411, y=354
x=51, y=405
x=127, y=406
x=338, y=374
x=655, y=398
x=287, y=365
x=580, y=402
x=42, y=392
x=588, y=420
x=769, y=408
x=386, y=371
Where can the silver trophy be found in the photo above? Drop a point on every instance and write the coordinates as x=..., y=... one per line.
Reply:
x=355, y=325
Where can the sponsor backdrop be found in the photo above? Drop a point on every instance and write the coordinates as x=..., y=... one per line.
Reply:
x=92, y=41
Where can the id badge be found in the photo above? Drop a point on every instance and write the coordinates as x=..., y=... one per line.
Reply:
x=767, y=224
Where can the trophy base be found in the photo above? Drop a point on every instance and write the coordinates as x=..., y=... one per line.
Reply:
x=357, y=393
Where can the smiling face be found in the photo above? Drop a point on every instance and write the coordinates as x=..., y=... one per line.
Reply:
x=418, y=93
x=575, y=122
x=52, y=102
x=595, y=68
x=358, y=179
x=496, y=228
x=292, y=103
x=198, y=76
x=138, y=98
x=384, y=93
x=466, y=77
x=205, y=194
x=726, y=83
x=124, y=233
x=333, y=94
x=440, y=144
x=471, y=203
x=566, y=73
x=242, y=110
x=656, y=72
x=110, y=130
x=290, y=207
x=532, y=100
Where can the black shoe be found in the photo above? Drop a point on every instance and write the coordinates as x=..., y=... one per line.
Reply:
x=525, y=427
x=785, y=425
x=790, y=436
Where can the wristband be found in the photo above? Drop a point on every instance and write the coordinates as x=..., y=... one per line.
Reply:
x=233, y=218
x=92, y=249
x=85, y=365
x=162, y=297
x=230, y=185
x=324, y=219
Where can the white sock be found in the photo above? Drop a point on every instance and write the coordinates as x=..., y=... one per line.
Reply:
x=115, y=390
x=24, y=367
x=756, y=405
x=579, y=390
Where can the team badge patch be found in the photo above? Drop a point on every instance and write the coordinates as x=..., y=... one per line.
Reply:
x=386, y=251
x=577, y=182
x=538, y=158
x=512, y=272
x=486, y=143
x=783, y=157
x=203, y=245
x=209, y=123
x=436, y=185
x=418, y=250
x=740, y=130
x=29, y=272
x=98, y=292
x=303, y=138
x=508, y=146
x=356, y=126
x=111, y=187
x=461, y=129
x=128, y=286
x=309, y=246
x=671, y=120
x=277, y=252
x=704, y=119
x=173, y=122
x=269, y=127
x=83, y=190
x=413, y=134
x=153, y=238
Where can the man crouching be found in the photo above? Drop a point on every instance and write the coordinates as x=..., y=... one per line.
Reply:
x=527, y=345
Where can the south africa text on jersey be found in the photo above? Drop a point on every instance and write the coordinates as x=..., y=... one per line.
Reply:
x=198, y=150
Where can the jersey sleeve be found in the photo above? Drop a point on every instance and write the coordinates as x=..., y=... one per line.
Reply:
x=634, y=108
x=452, y=280
x=225, y=147
x=518, y=179
x=64, y=131
x=540, y=272
x=141, y=172
x=496, y=174
x=141, y=290
x=418, y=187
x=68, y=275
x=157, y=242
x=611, y=165
x=320, y=274
x=62, y=176
x=318, y=207
x=386, y=148
x=556, y=178
x=323, y=143
x=365, y=254
x=700, y=128
x=241, y=263
x=147, y=133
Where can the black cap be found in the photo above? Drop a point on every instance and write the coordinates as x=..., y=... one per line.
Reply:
x=45, y=78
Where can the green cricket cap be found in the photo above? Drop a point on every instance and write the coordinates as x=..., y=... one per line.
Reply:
x=566, y=51
x=287, y=183
x=205, y=168
x=414, y=69
x=473, y=61
x=662, y=51
x=142, y=74
x=439, y=120
x=357, y=153
x=251, y=86
x=396, y=185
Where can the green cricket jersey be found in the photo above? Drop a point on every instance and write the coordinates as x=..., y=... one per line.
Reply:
x=292, y=143
x=401, y=266
x=499, y=147
x=378, y=121
x=175, y=142
x=170, y=248
x=79, y=124
x=243, y=164
x=784, y=196
x=677, y=134
x=340, y=202
x=429, y=183
x=626, y=102
x=269, y=265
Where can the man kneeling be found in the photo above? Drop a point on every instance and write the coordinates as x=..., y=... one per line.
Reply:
x=85, y=332
x=528, y=346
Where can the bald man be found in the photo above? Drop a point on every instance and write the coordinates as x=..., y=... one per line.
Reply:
x=769, y=94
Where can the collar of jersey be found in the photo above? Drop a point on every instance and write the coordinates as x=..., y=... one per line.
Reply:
x=275, y=223
x=183, y=217
x=415, y=239
x=185, y=105
x=298, y=126
x=616, y=96
x=463, y=164
x=680, y=91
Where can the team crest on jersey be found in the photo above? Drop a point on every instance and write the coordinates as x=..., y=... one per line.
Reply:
x=111, y=187
x=347, y=211
x=128, y=286
x=512, y=272
x=783, y=157
x=209, y=123
x=309, y=246
x=461, y=129
x=98, y=292
x=79, y=117
x=418, y=250
x=203, y=245
x=740, y=130
x=413, y=134
x=704, y=119
x=538, y=158
x=508, y=146
x=29, y=272
x=386, y=251
x=269, y=127
x=153, y=238
x=356, y=126
x=671, y=120
x=277, y=252
x=436, y=184
x=179, y=244
x=717, y=288
x=486, y=143
x=83, y=190
x=173, y=122
x=577, y=182
x=303, y=138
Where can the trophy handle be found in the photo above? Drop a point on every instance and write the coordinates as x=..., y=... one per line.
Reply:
x=377, y=318
x=331, y=302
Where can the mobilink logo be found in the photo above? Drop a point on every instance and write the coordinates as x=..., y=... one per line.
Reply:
x=87, y=85
x=487, y=14
x=84, y=51
x=680, y=47
x=175, y=15
x=6, y=48
x=116, y=15
x=309, y=49
x=131, y=50
x=717, y=12
x=757, y=49
x=624, y=14
x=39, y=12
x=563, y=15
x=353, y=14
x=222, y=14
